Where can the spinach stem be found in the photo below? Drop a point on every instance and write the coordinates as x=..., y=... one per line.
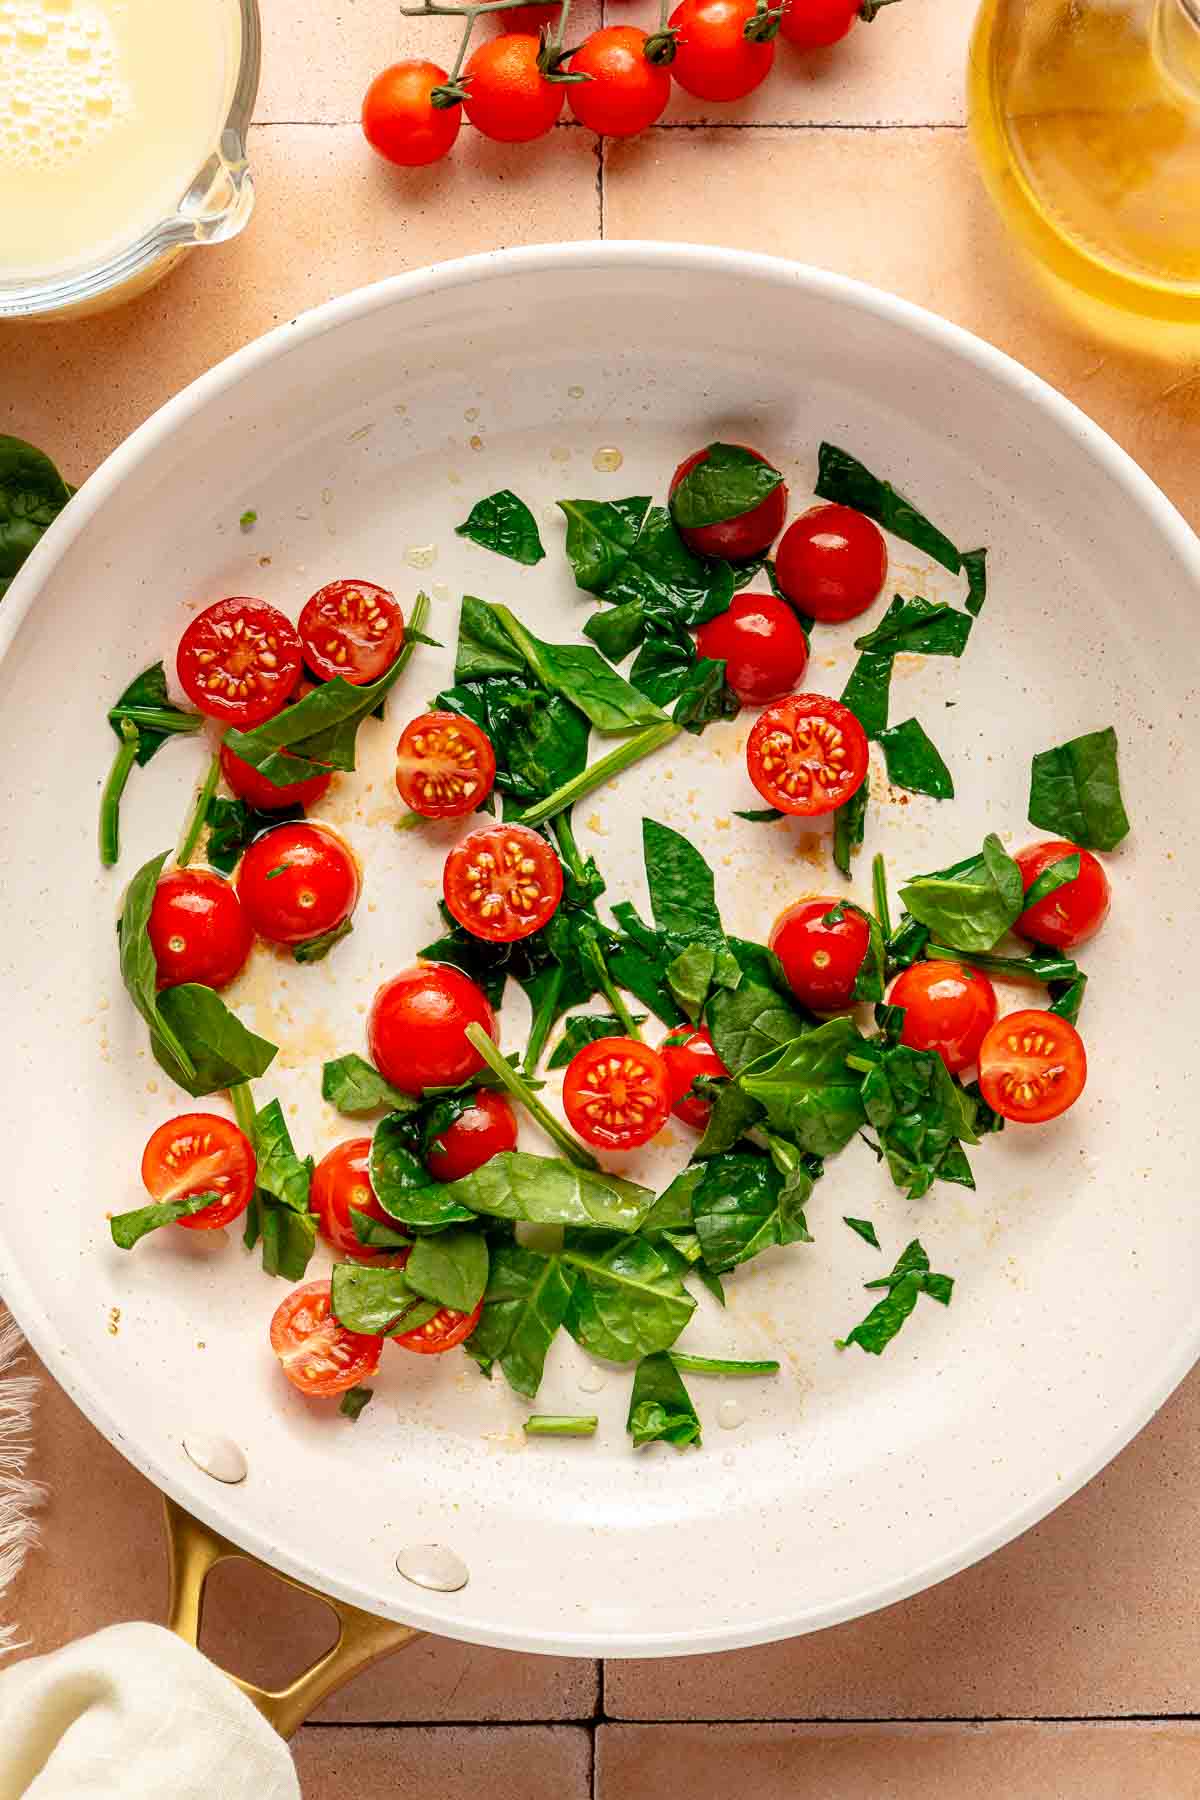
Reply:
x=114, y=787
x=561, y=1425
x=1017, y=968
x=879, y=886
x=610, y=990
x=568, y=848
x=642, y=743
x=199, y=813
x=410, y=820
x=524, y=1095
x=543, y=1022
x=860, y=1064
x=243, y=1107
x=720, y=1365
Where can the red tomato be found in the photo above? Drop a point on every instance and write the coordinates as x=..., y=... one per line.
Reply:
x=948, y=1008
x=487, y=1127
x=319, y=1356
x=714, y=59
x=762, y=645
x=813, y=24
x=502, y=883
x=353, y=629
x=508, y=97
x=832, y=563
x=442, y=1332
x=1075, y=911
x=399, y=119
x=341, y=1185
x=417, y=1026
x=262, y=794
x=740, y=538
x=688, y=1052
x=198, y=930
x=445, y=765
x=617, y=1093
x=528, y=21
x=807, y=754
x=1032, y=1066
x=201, y=1153
x=820, y=961
x=625, y=92
x=238, y=661
x=297, y=882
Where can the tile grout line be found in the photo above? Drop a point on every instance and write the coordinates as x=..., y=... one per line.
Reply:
x=592, y=1722
x=678, y=125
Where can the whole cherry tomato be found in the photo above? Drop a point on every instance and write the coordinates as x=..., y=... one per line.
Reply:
x=746, y=534
x=762, y=644
x=625, y=92
x=688, y=1052
x=198, y=929
x=832, y=563
x=821, y=961
x=814, y=24
x=1072, y=913
x=947, y=1007
x=298, y=882
x=416, y=1030
x=400, y=120
x=509, y=97
x=724, y=48
x=482, y=1131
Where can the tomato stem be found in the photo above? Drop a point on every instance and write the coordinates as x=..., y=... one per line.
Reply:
x=650, y=738
x=879, y=887
x=524, y=1095
x=199, y=813
x=114, y=787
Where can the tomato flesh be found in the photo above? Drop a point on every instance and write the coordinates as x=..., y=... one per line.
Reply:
x=747, y=535
x=1032, y=1066
x=815, y=24
x=624, y=92
x=807, y=754
x=264, y=795
x=502, y=882
x=832, y=563
x=688, y=1053
x=353, y=629
x=762, y=644
x=617, y=1093
x=319, y=1356
x=341, y=1186
x=821, y=961
x=201, y=1153
x=508, y=98
x=486, y=1128
x=239, y=660
x=948, y=1007
x=297, y=882
x=445, y=765
x=198, y=929
x=399, y=119
x=1074, y=912
x=441, y=1333
x=416, y=1030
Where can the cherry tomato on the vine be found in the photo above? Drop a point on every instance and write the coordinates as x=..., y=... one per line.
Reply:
x=1075, y=911
x=762, y=644
x=528, y=21
x=239, y=660
x=807, y=754
x=626, y=92
x=1032, y=1066
x=198, y=929
x=445, y=765
x=341, y=1186
x=714, y=57
x=319, y=1356
x=688, y=1052
x=746, y=535
x=482, y=1131
x=821, y=961
x=442, y=1332
x=416, y=1030
x=832, y=563
x=353, y=629
x=502, y=882
x=509, y=98
x=948, y=1007
x=201, y=1153
x=399, y=119
x=297, y=882
x=814, y=24
x=264, y=795
x=617, y=1093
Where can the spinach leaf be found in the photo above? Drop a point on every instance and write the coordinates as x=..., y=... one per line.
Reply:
x=971, y=905
x=670, y=669
x=355, y=1401
x=451, y=1268
x=505, y=524
x=1053, y=876
x=910, y=1278
x=145, y=704
x=576, y=671
x=748, y=1021
x=636, y=558
x=660, y=1408
x=32, y=494
x=139, y=966
x=690, y=977
x=919, y=627
x=601, y=535
x=808, y=1090
x=372, y=1235
x=129, y=1228
x=544, y=1190
x=280, y=1211
x=921, y=1115
x=908, y=942
x=403, y=1185
x=233, y=826
x=627, y=1301
x=618, y=631
x=355, y=1087
x=733, y=1114
x=1067, y=1001
x=865, y=1230
x=914, y=763
x=219, y=1050
x=280, y=1173
x=1075, y=791
x=672, y=1211
x=843, y=479
x=762, y=815
x=525, y=1302
x=743, y=1205
x=586, y=1028
x=872, y=973
x=868, y=691
x=540, y=739
x=850, y=826
x=316, y=949
x=728, y=482
x=288, y=1239
x=722, y=1365
x=682, y=889
x=377, y=1302
x=974, y=563
x=760, y=965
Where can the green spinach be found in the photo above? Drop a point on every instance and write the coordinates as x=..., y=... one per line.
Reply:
x=865, y=1230
x=808, y=1090
x=524, y=1304
x=972, y=904
x=844, y=480
x=628, y=1300
x=1075, y=791
x=354, y=1402
x=919, y=627
x=129, y=1228
x=233, y=826
x=450, y=1268
x=727, y=482
x=355, y=1087
x=743, y=1205
x=914, y=763
x=377, y=1302
x=868, y=691
x=910, y=1278
x=32, y=494
x=1053, y=876
x=584, y=1029
x=504, y=523
x=921, y=1115
x=316, y=949
x=748, y=1021
x=660, y=1408
x=219, y=1050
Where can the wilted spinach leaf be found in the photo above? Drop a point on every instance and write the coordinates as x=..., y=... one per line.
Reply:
x=914, y=763
x=919, y=627
x=32, y=494
x=910, y=1278
x=524, y=1304
x=972, y=904
x=586, y=1028
x=504, y=523
x=868, y=691
x=974, y=563
x=233, y=826
x=729, y=481
x=220, y=1050
x=748, y=1021
x=850, y=826
x=807, y=1089
x=1075, y=791
x=146, y=705
x=375, y=1301
x=921, y=1116
x=660, y=1408
x=356, y=1087
x=630, y=555
x=628, y=1301
x=843, y=479
x=450, y=1267
x=865, y=1230
x=355, y=1401
x=128, y=1228
x=743, y=1204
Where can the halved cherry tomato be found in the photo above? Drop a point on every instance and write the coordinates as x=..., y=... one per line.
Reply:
x=1032, y=1066
x=487, y=1127
x=529, y=20
x=814, y=24
x=297, y=882
x=746, y=535
x=198, y=929
x=201, y=1153
x=262, y=794
x=714, y=59
x=341, y=1185
x=624, y=92
x=832, y=563
x=688, y=1052
x=1075, y=911
x=445, y=765
x=502, y=883
x=442, y=1332
x=947, y=1007
x=821, y=961
x=509, y=98
x=807, y=754
x=239, y=660
x=399, y=119
x=617, y=1093
x=762, y=644
x=416, y=1030
x=353, y=629
x=319, y=1356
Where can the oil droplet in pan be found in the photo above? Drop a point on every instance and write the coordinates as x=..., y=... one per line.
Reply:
x=730, y=1414
x=592, y=1381
x=608, y=459
x=421, y=556
x=219, y=1457
x=433, y=1566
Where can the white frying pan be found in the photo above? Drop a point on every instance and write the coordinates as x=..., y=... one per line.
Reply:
x=361, y=435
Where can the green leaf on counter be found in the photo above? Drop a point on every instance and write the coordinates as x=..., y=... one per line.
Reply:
x=32, y=494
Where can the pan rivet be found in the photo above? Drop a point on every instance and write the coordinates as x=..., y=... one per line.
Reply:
x=217, y=1456
x=431, y=1566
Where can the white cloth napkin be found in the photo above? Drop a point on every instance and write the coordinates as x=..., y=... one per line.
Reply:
x=134, y=1713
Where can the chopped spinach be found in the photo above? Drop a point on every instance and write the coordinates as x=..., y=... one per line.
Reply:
x=843, y=479
x=219, y=1050
x=355, y=1087
x=524, y=1304
x=727, y=482
x=628, y=1300
x=850, y=826
x=974, y=563
x=1067, y=999
x=865, y=1230
x=920, y=1114
x=233, y=826
x=377, y=1302
x=919, y=627
x=762, y=815
x=910, y=1278
x=280, y=1213
x=914, y=763
x=682, y=889
x=1075, y=791
x=504, y=523
x=660, y=1408
x=318, y=948
x=630, y=553
x=868, y=691
x=142, y=720
x=972, y=904
x=450, y=1267
x=742, y=1205
x=1053, y=876
x=354, y=1401
x=544, y=1190
x=129, y=1228
x=808, y=1090
x=748, y=1021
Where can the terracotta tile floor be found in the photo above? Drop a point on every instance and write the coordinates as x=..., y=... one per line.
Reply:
x=1080, y=1639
